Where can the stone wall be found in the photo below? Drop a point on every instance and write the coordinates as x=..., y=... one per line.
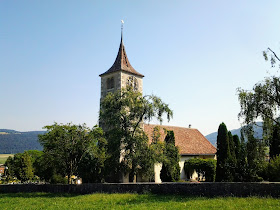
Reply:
x=188, y=189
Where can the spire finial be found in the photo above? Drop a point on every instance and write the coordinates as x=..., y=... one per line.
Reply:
x=122, y=22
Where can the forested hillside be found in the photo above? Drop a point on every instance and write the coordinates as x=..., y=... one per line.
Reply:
x=12, y=141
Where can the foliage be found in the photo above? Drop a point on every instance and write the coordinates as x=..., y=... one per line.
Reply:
x=224, y=163
x=252, y=160
x=275, y=142
x=10, y=173
x=91, y=167
x=122, y=114
x=263, y=102
x=20, y=166
x=237, y=148
x=65, y=146
x=206, y=169
x=170, y=171
x=251, y=163
x=274, y=169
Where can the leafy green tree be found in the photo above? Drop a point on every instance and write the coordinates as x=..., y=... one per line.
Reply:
x=22, y=166
x=170, y=171
x=91, y=167
x=275, y=142
x=223, y=171
x=36, y=157
x=65, y=146
x=122, y=114
x=263, y=101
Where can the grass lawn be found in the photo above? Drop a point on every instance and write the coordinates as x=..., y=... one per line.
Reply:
x=130, y=201
x=3, y=157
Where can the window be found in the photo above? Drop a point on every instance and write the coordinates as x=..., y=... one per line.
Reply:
x=110, y=83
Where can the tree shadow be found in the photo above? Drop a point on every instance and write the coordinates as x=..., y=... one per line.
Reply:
x=37, y=195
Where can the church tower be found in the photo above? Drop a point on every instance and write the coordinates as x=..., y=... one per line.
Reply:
x=120, y=74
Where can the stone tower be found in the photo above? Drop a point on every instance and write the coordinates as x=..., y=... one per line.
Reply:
x=120, y=75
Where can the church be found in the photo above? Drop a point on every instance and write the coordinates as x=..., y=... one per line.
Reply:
x=190, y=141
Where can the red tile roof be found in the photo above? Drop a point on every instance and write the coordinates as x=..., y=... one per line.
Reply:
x=122, y=63
x=190, y=141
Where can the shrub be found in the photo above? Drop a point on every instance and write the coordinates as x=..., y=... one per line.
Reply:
x=274, y=169
x=204, y=168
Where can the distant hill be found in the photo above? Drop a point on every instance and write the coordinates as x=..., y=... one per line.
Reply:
x=12, y=141
x=212, y=137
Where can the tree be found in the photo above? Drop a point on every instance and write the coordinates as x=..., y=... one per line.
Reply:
x=223, y=171
x=263, y=101
x=274, y=169
x=275, y=142
x=236, y=145
x=65, y=146
x=252, y=151
x=242, y=165
x=122, y=114
x=170, y=171
x=22, y=166
x=36, y=158
x=91, y=167
x=10, y=173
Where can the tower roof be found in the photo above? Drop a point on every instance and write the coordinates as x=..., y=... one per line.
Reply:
x=122, y=63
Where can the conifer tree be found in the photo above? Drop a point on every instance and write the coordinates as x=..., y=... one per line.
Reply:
x=236, y=146
x=252, y=154
x=231, y=158
x=170, y=171
x=242, y=165
x=274, y=144
x=223, y=154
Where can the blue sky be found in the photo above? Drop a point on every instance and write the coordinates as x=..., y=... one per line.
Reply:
x=194, y=55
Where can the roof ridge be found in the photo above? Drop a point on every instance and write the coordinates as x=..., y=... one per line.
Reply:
x=170, y=126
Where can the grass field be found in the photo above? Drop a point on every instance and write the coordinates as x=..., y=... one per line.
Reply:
x=130, y=201
x=3, y=157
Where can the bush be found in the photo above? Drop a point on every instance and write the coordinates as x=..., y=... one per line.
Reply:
x=58, y=179
x=205, y=168
x=274, y=169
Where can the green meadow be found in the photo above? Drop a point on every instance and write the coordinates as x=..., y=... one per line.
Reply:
x=3, y=157
x=130, y=201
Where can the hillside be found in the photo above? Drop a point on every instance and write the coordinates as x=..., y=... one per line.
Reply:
x=12, y=141
x=212, y=137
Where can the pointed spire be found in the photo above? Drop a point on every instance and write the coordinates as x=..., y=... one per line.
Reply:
x=122, y=63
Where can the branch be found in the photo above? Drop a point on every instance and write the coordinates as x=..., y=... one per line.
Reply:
x=274, y=54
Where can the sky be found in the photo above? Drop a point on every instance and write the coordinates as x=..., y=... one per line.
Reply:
x=194, y=55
